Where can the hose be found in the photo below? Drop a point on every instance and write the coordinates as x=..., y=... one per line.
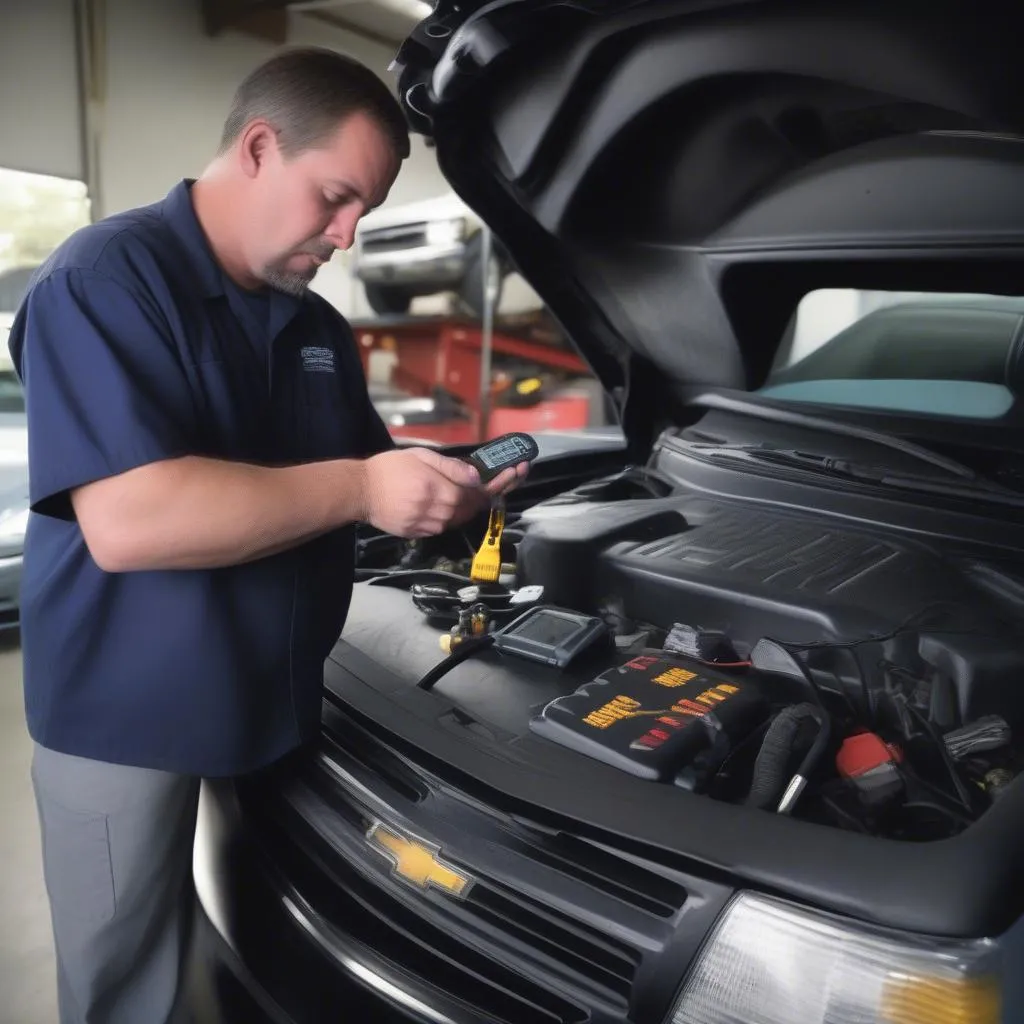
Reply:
x=464, y=650
x=770, y=768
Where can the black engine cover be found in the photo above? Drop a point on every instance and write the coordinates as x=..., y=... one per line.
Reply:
x=789, y=575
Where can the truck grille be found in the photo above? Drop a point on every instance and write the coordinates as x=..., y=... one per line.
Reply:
x=565, y=854
x=585, y=955
x=586, y=863
x=345, y=901
x=553, y=930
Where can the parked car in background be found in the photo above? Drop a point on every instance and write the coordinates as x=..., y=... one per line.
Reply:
x=422, y=248
x=14, y=498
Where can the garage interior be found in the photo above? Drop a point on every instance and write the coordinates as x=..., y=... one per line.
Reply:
x=117, y=100
x=794, y=597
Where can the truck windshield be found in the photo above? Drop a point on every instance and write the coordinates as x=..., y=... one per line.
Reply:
x=954, y=355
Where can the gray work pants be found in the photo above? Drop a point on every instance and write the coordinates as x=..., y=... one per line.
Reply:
x=117, y=857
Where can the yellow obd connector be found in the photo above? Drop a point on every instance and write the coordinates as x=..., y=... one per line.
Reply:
x=486, y=566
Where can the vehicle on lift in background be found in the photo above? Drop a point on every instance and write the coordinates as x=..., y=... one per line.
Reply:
x=422, y=248
x=731, y=730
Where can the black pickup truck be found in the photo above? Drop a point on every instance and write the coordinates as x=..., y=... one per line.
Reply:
x=779, y=782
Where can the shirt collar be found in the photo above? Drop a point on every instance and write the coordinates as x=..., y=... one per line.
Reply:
x=180, y=215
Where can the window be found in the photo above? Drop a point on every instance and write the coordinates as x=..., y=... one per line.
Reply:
x=37, y=213
x=945, y=354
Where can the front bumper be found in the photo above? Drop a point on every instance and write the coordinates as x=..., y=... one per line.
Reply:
x=427, y=266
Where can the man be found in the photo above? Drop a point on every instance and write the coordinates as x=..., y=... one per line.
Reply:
x=201, y=443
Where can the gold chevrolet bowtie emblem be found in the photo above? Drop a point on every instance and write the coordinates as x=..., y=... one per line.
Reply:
x=416, y=862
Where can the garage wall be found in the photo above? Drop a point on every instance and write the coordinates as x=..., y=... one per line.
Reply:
x=40, y=123
x=168, y=87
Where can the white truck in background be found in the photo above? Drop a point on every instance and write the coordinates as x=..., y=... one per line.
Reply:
x=417, y=249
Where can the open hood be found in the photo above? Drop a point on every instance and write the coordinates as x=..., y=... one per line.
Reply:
x=673, y=177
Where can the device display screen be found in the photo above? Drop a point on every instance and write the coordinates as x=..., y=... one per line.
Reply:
x=550, y=635
x=504, y=452
x=548, y=629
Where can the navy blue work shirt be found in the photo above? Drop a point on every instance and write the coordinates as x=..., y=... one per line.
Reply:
x=133, y=346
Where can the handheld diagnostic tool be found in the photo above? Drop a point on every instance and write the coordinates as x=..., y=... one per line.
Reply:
x=550, y=635
x=502, y=453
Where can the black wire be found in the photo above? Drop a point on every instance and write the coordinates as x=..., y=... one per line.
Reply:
x=814, y=755
x=841, y=688
x=401, y=577
x=841, y=812
x=865, y=690
x=947, y=760
x=812, y=683
x=906, y=626
x=961, y=790
x=459, y=654
x=903, y=627
x=805, y=674
x=930, y=805
x=816, y=691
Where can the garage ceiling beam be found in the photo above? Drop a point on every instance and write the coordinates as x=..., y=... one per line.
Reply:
x=336, y=21
x=264, y=20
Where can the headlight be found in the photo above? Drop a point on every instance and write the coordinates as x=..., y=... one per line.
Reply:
x=445, y=232
x=13, y=523
x=768, y=962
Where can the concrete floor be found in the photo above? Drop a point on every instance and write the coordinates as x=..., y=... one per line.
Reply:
x=27, y=983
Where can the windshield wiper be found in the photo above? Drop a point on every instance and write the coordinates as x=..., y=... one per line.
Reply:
x=880, y=476
x=747, y=407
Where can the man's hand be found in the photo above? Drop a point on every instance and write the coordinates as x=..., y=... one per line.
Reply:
x=478, y=499
x=415, y=492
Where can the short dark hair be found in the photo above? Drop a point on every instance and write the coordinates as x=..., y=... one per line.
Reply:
x=306, y=92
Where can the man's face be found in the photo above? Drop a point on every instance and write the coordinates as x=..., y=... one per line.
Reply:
x=308, y=205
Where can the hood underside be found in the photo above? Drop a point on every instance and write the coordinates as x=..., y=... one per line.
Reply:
x=673, y=178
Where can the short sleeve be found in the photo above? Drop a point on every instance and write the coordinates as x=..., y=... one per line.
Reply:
x=378, y=439
x=105, y=388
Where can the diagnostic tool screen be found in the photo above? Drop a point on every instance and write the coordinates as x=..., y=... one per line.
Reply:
x=550, y=630
x=504, y=452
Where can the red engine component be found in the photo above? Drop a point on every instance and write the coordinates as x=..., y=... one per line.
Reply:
x=871, y=765
x=864, y=752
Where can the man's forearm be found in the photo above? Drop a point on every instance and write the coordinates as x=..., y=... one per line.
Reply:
x=197, y=513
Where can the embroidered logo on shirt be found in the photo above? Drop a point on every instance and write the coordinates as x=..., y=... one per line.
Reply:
x=318, y=359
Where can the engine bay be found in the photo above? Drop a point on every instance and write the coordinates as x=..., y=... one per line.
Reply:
x=781, y=659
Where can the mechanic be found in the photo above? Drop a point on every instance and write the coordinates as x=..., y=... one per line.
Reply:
x=201, y=444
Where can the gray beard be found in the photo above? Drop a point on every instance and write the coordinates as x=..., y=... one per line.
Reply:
x=288, y=281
